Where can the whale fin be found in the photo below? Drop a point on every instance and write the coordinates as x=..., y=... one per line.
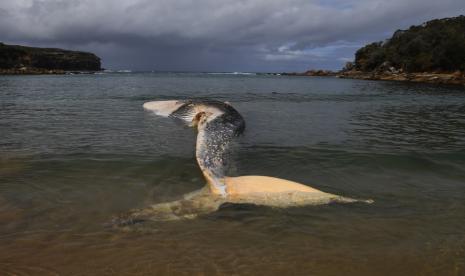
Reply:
x=163, y=108
x=188, y=111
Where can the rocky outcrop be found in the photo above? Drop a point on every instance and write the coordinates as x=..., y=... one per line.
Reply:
x=388, y=73
x=309, y=73
x=16, y=59
x=456, y=78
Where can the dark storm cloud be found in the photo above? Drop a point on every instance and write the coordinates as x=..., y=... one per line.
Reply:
x=207, y=35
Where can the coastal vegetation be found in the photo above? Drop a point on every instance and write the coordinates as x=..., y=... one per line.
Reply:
x=15, y=59
x=435, y=46
x=433, y=52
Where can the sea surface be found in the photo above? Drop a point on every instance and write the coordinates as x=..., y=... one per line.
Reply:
x=77, y=150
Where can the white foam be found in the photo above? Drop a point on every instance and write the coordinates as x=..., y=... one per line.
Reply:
x=232, y=73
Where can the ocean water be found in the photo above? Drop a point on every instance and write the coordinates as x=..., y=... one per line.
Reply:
x=76, y=150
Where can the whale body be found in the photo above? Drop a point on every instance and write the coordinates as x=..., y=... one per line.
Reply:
x=217, y=124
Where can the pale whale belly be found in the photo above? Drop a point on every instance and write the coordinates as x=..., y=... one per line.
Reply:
x=276, y=192
x=256, y=190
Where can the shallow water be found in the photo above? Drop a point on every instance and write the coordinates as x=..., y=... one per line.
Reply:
x=77, y=150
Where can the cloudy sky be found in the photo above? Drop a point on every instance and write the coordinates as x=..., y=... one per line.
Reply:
x=215, y=35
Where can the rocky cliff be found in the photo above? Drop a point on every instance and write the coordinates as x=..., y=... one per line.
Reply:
x=15, y=59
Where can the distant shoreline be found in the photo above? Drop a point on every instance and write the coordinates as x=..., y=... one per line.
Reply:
x=455, y=78
x=25, y=60
x=41, y=71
